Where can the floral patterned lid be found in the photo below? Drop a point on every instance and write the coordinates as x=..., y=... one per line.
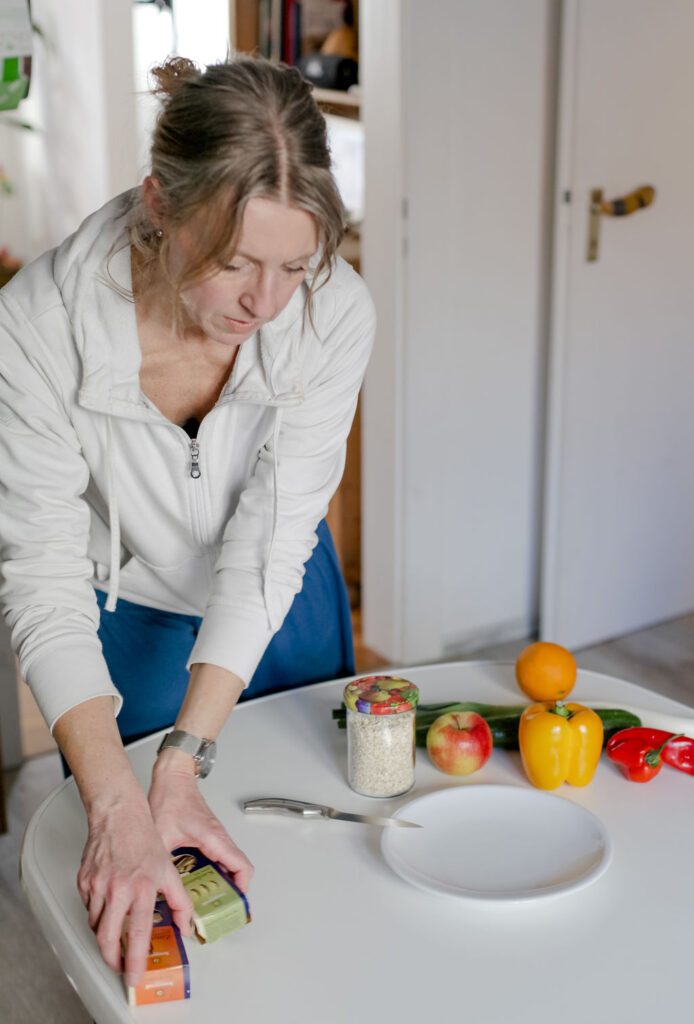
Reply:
x=381, y=695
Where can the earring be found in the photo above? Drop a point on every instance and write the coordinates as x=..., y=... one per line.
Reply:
x=159, y=233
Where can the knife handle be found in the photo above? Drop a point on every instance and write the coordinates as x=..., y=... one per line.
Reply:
x=278, y=805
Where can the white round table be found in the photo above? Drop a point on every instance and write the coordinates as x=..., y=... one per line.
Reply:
x=337, y=937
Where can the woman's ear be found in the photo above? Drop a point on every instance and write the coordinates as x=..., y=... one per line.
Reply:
x=153, y=200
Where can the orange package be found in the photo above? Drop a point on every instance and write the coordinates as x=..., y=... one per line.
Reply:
x=167, y=974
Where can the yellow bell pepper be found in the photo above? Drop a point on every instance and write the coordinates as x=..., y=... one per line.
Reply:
x=559, y=743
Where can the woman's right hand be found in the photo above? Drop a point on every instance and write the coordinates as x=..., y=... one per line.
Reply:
x=124, y=863
x=124, y=866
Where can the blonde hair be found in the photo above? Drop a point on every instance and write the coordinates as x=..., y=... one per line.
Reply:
x=237, y=130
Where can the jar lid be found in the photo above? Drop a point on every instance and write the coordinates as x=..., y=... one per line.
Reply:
x=381, y=695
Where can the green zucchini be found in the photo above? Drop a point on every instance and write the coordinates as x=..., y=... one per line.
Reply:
x=502, y=719
x=665, y=720
x=615, y=719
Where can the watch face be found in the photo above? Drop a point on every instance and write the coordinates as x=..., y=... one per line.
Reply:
x=207, y=755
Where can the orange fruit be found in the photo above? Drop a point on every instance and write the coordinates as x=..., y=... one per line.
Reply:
x=546, y=671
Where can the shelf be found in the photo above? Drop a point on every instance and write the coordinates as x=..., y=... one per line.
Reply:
x=338, y=101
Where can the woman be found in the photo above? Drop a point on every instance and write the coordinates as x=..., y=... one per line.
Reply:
x=177, y=383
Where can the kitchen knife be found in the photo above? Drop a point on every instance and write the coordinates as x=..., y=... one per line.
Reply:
x=298, y=808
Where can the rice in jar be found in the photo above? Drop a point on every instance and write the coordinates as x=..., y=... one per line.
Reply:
x=381, y=735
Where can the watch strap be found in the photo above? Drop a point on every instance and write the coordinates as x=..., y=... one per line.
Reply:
x=182, y=740
x=202, y=751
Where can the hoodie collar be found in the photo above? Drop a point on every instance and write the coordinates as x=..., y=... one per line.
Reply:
x=93, y=273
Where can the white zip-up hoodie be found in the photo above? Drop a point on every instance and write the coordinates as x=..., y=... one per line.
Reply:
x=98, y=488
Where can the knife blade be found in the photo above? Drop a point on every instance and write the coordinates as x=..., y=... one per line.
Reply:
x=301, y=809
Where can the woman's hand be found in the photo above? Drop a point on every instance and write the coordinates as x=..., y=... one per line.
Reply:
x=183, y=818
x=124, y=865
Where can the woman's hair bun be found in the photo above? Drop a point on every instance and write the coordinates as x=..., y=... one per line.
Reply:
x=172, y=75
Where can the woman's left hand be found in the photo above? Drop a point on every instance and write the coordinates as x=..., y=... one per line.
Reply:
x=183, y=818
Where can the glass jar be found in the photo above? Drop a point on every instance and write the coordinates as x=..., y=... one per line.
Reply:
x=380, y=735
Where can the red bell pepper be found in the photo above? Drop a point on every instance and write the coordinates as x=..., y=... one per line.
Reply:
x=679, y=753
x=640, y=752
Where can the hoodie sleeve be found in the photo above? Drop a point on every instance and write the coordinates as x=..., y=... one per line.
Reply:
x=272, y=532
x=45, y=588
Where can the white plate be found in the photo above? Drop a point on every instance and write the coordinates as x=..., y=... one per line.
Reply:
x=490, y=842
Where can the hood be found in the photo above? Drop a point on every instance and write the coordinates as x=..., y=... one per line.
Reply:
x=91, y=269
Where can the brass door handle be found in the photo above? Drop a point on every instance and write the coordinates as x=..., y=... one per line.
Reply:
x=639, y=199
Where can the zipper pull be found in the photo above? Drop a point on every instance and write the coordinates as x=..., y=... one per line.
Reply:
x=194, y=459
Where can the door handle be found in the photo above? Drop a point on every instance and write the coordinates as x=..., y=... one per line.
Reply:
x=599, y=207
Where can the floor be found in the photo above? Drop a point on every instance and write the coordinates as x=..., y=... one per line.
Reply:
x=32, y=986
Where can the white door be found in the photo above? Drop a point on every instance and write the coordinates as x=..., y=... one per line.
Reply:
x=618, y=548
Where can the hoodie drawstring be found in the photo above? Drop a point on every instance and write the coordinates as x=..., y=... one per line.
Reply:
x=272, y=619
x=113, y=522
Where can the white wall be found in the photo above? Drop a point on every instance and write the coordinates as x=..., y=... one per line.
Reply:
x=88, y=101
x=81, y=103
x=454, y=398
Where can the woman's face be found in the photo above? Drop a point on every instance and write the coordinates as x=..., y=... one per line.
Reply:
x=270, y=262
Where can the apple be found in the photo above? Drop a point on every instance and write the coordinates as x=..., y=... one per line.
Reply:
x=459, y=743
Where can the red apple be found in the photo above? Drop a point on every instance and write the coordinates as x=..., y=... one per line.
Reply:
x=459, y=743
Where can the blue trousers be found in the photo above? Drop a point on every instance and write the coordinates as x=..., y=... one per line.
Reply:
x=146, y=650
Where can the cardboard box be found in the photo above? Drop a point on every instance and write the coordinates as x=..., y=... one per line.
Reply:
x=167, y=975
x=219, y=907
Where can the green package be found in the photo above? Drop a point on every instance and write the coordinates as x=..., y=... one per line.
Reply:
x=219, y=907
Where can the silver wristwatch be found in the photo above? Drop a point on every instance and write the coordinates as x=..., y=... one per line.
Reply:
x=202, y=751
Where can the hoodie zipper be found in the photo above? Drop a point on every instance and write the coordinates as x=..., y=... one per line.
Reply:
x=199, y=509
x=195, y=459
